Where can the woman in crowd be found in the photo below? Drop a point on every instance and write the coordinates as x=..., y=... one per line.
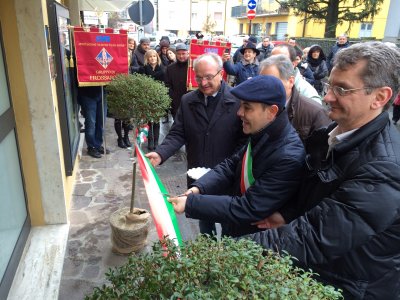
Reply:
x=171, y=55
x=317, y=63
x=152, y=68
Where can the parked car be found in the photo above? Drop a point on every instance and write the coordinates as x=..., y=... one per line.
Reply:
x=155, y=37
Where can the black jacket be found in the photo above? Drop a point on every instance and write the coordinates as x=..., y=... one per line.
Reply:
x=157, y=73
x=137, y=59
x=318, y=67
x=278, y=157
x=208, y=142
x=175, y=80
x=335, y=49
x=350, y=232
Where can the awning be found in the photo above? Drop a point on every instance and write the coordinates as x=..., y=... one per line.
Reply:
x=104, y=5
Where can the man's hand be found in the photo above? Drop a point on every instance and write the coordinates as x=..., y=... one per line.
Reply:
x=154, y=157
x=179, y=203
x=192, y=190
x=273, y=221
x=226, y=57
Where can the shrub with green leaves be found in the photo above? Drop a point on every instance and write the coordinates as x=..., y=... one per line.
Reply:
x=138, y=97
x=210, y=269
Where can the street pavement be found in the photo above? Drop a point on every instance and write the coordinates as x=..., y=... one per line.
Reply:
x=103, y=186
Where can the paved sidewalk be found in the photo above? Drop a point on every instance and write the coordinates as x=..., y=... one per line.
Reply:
x=102, y=187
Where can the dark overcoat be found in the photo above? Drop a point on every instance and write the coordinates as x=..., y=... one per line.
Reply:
x=208, y=142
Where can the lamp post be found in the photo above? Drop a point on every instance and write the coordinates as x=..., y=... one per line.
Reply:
x=190, y=17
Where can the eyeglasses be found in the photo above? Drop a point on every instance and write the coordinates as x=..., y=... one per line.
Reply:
x=339, y=91
x=207, y=77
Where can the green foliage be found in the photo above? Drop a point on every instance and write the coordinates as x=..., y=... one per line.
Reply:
x=137, y=97
x=210, y=269
x=334, y=12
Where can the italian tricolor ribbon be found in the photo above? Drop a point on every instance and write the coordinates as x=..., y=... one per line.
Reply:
x=141, y=134
x=162, y=211
x=247, y=179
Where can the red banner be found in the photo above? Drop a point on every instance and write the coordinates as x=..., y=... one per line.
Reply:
x=100, y=56
x=198, y=48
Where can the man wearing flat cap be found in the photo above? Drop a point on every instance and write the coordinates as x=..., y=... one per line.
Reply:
x=247, y=67
x=138, y=55
x=264, y=174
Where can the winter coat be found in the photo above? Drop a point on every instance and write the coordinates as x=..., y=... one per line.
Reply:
x=265, y=52
x=242, y=70
x=157, y=73
x=278, y=155
x=317, y=66
x=305, y=89
x=175, y=80
x=208, y=142
x=306, y=72
x=335, y=49
x=350, y=232
x=137, y=59
x=305, y=114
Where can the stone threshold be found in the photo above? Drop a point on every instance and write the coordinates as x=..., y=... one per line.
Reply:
x=39, y=272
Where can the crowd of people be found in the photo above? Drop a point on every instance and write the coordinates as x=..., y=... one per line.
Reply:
x=302, y=153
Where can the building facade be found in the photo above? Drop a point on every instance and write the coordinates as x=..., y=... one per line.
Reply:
x=39, y=138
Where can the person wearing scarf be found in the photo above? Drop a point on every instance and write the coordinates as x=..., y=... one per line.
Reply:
x=264, y=174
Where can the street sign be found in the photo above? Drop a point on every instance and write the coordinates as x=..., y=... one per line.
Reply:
x=251, y=14
x=252, y=4
x=140, y=31
x=141, y=10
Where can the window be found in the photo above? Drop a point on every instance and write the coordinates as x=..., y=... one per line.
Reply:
x=365, y=30
x=218, y=16
x=268, y=29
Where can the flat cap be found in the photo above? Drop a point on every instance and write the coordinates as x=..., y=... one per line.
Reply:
x=263, y=89
x=181, y=46
x=144, y=40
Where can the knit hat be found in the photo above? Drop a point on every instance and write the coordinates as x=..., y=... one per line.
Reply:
x=263, y=89
x=252, y=46
x=252, y=39
x=164, y=43
x=144, y=40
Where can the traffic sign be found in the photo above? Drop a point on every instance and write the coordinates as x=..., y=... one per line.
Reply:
x=141, y=12
x=251, y=14
x=252, y=4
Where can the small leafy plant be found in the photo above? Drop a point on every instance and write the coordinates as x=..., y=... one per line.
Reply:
x=137, y=97
x=210, y=269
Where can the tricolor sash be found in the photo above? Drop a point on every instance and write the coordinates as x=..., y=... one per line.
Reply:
x=247, y=178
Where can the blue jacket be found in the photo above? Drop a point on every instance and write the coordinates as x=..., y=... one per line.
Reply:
x=278, y=156
x=242, y=70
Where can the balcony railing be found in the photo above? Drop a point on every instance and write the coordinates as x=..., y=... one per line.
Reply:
x=241, y=11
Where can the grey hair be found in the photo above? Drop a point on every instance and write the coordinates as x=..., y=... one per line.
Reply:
x=282, y=63
x=382, y=65
x=208, y=57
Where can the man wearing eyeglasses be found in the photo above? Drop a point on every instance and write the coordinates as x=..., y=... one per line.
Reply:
x=206, y=123
x=346, y=226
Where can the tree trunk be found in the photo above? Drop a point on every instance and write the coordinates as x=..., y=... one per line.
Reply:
x=332, y=19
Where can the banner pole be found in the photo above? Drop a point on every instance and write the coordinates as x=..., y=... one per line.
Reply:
x=104, y=122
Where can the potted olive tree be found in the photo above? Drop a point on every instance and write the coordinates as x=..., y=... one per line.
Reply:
x=140, y=99
x=211, y=269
